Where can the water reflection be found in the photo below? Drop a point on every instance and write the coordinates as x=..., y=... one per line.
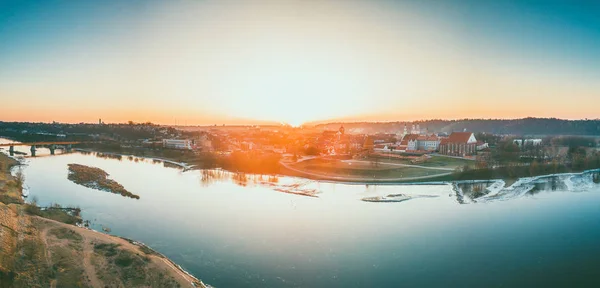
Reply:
x=552, y=183
x=240, y=178
x=209, y=177
x=474, y=189
x=107, y=155
x=485, y=191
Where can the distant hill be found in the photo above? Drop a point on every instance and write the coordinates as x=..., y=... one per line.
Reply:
x=525, y=126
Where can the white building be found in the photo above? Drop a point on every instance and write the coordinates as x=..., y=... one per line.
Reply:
x=533, y=142
x=482, y=146
x=528, y=142
x=177, y=144
x=416, y=142
x=428, y=143
x=412, y=145
x=416, y=129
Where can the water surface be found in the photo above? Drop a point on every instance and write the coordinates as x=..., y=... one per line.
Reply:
x=237, y=231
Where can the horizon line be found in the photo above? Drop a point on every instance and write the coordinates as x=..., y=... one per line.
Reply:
x=314, y=123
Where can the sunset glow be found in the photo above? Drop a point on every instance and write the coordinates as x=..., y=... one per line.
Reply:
x=220, y=62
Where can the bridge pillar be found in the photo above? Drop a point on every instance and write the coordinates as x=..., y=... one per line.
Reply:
x=52, y=148
x=69, y=148
x=11, y=149
x=33, y=150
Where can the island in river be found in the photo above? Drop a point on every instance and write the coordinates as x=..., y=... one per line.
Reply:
x=97, y=178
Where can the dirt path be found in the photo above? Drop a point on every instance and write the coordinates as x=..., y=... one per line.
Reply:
x=44, y=235
x=90, y=236
x=88, y=266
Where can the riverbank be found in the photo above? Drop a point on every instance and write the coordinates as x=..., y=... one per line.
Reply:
x=286, y=170
x=444, y=178
x=183, y=165
x=40, y=252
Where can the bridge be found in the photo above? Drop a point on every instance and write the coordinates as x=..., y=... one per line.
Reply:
x=51, y=146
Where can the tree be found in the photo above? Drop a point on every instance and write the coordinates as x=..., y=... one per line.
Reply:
x=534, y=168
x=312, y=150
x=554, y=166
x=20, y=179
x=369, y=144
x=506, y=152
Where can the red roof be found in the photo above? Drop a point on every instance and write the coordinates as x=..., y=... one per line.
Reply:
x=410, y=137
x=457, y=137
x=413, y=137
x=428, y=138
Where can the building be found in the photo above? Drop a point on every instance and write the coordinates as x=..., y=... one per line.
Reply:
x=533, y=142
x=428, y=143
x=416, y=142
x=402, y=146
x=459, y=144
x=482, y=145
x=400, y=134
x=177, y=144
x=527, y=142
x=410, y=141
x=416, y=129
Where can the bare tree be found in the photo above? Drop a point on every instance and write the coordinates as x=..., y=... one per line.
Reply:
x=20, y=179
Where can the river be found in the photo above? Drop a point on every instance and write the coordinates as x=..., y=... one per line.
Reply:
x=238, y=231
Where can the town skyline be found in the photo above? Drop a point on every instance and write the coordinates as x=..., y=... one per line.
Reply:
x=229, y=122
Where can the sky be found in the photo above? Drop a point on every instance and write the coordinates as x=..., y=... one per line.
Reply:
x=252, y=62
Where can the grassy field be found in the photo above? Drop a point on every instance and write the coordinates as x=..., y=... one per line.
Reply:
x=434, y=161
x=363, y=169
x=446, y=162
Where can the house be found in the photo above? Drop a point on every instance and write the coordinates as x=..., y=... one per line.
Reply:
x=411, y=142
x=459, y=144
x=482, y=145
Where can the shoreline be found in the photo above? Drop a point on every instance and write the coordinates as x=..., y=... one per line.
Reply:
x=409, y=181
x=15, y=162
x=326, y=178
x=183, y=165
